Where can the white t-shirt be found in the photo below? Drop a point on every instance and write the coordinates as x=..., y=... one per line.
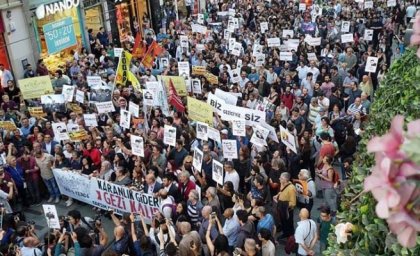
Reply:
x=305, y=232
x=234, y=178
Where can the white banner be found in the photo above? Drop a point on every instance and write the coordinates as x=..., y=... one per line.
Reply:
x=347, y=38
x=215, y=102
x=251, y=116
x=286, y=56
x=90, y=120
x=391, y=3
x=105, y=107
x=273, y=42
x=313, y=41
x=94, y=81
x=368, y=4
x=169, y=135
x=217, y=172
x=105, y=195
x=226, y=97
x=230, y=149
x=288, y=32
x=137, y=145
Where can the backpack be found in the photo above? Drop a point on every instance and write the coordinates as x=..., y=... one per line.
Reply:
x=336, y=176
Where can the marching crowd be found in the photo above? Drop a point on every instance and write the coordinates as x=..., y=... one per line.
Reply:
x=322, y=96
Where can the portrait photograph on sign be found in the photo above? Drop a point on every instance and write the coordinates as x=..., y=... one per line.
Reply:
x=217, y=172
x=198, y=159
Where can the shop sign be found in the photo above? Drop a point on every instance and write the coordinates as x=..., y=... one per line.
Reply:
x=45, y=10
x=59, y=35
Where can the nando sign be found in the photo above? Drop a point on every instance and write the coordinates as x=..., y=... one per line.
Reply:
x=45, y=10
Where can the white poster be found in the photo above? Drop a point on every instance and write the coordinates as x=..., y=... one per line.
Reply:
x=302, y=7
x=215, y=102
x=184, y=69
x=251, y=116
x=236, y=50
x=313, y=41
x=368, y=4
x=239, y=63
x=72, y=127
x=52, y=99
x=80, y=96
x=238, y=128
x=60, y=131
x=232, y=42
x=105, y=107
x=226, y=97
x=68, y=92
x=273, y=42
x=196, y=86
x=292, y=44
x=164, y=62
x=214, y=134
x=230, y=149
x=184, y=41
x=169, y=136
x=391, y=3
x=257, y=49
x=368, y=35
x=226, y=34
x=259, y=60
x=347, y=38
x=236, y=75
x=312, y=56
x=94, y=81
x=202, y=131
x=134, y=109
x=231, y=26
x=263, y=26
x=259, y=137
x=50, y=213
x=125, y=119
x=118, y=52
x=288, y=32
x=148, y=98
x=198, y=159
x=196, y=28
x=288, y=139
x=217, y=172
x=371, y=64
x=137, y=145
x=90, y=120
x=345, y=27
x=286, y=56
x=272, y=135
x=200, y=18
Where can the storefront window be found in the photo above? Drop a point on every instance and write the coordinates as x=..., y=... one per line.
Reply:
x=59, y=59
x=93, y=18
x=123, y=20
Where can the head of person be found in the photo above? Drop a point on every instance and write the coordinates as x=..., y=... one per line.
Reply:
x=211, y=193
x=193, y=196
x=228, y=166
x=325, y=213
x=264, y=234
x=304, y=214
x=184, y=177
x=284, y=178
x=74, y=217
x=206, y=211
x=304, y=174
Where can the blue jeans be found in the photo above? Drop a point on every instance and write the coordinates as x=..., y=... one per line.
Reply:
x=52, y=187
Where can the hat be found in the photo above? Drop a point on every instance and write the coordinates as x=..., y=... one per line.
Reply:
x=224, y=131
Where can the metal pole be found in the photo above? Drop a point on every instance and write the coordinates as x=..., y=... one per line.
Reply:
x=82, y=21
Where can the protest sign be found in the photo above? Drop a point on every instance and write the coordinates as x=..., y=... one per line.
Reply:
x=272, y=135
x=200, y=18
x=72, y=127
x=133, y=108
x=251, y=116
x=50, y=213
x=368, y=35
x=105, y=107
x=125, y=119
x=230, y=149
x=345, y=26
x=184, y=41
x=391, y=3
x=217, y=172
x=137, y=145
x=178, y=81
x=236, y=50
x=74, y=107
x=196, y=28
x=94, y=81
x=288, y=32
x=90, y=120
x=198, y=159
x=198, y=70
x=79, y=135
x=263, y=27
x=259, y=136
x=226, y=97
x=288, y=139
x=80, y=96
x=201, y=129
x=312, y=56
x=8, y=125
x=313, y=41
x=196, y=86
x=212, y=79
x=273, y=42
x=117, y=52
x=68, y=92
x=35, y=87
x=184, y=69
x=214, y=134
x=286, y=56
x=169, y=135
x=148, y=98
x=226, y=34
x=292, y=44
x=164, y=62
x=257, y=49
x=368, y=4
x=302, y=7
x=371, y=64
x=37, y=112
x=238, y=127
x=200, y=111
x=60, y=131
x=235, y=75
x=105, y=195
x=259, y=60
x=347, y=38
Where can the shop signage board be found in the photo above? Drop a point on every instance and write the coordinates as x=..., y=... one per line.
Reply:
x=44, y=10
x=59, y=35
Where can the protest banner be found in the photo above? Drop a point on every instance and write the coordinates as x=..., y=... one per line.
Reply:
x=263, y=27
x=134, y=109
x=123, y=68
x=198, y=70
x=368, y=5
x=94, y=81
x=217, y=172
x=201, y=130
x=137, y=145
x=238, y=127
x=226, y=97
x=196, y=28
x=347, y=38
x=251, y=116
x=8, y=125
x=198, y=159
x=37, y=112
x=273, y=42
x=313, y=41
x=288, y=139
x=90, y=120
x=391, y=3
x=371, y=64
x=79, y=135
x=288, y=32
x=35, y=87
x=178, y=81
x=230, y=149
x=312, y=56
x=169, y=135
x=292, y=44
x=105, y=107
x=214, y=134
x=105, y=195
x=200, y=111
x=286, y=56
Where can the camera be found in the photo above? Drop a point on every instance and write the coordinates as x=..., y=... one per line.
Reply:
x=213, y=215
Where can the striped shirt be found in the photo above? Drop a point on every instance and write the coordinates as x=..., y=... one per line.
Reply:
x=353, y=109
x=194, y=212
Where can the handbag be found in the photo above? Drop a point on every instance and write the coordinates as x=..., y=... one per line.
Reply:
x=291, y=245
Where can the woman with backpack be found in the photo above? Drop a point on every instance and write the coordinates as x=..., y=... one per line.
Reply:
x=328, y=178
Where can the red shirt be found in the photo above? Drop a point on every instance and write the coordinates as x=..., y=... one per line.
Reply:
x=287, y=99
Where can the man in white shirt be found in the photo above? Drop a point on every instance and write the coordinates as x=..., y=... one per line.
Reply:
x=302, y=71
x=314, y=70
x=410, y=12
x=231, y=175
x=306, y=234
x=5, y=75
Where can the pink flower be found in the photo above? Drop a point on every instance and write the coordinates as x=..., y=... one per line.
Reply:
x=415, y=38
x=390, y=143
x=405, y=227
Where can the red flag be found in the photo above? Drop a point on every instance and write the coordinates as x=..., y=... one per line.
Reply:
x=174, y=98
x=154, y=50
x=139, y=48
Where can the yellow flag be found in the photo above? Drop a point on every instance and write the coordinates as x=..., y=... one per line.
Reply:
x=134, y=81
x=123, y=69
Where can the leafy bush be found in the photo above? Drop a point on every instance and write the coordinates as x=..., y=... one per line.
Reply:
x=399, y=93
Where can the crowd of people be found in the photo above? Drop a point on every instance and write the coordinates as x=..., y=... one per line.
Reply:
x=322, y=96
